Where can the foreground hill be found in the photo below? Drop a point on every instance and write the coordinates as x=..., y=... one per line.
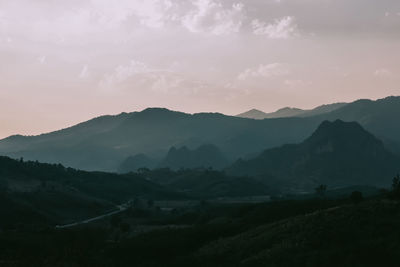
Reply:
x=345, y=235
x=308, y=233
x=337, y=153
x=104, y=143
x=52, y=193
x=208, y=184
x=33, y=193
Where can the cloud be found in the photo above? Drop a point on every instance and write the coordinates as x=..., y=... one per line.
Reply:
x=3, y=21
x=175, y=83
x=284, y=28
x=211, y=17
x=93, y=19
x=264, y=71
x=383, y=73
x=150, y=13
x=84, y=72
x=96, y=21
x=298, y=83
x=82, y=21
x=139, y=76
x=123, y=72
x=42, y=59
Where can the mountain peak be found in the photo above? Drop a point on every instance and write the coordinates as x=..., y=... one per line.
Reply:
x=253, y=114
x=157, y=114
x=338, y=153
x=343, y=135
x=288, y=109
x=254, y=110
x=156, y=110
x=339, y=126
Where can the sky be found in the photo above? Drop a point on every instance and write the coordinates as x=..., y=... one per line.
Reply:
x=64, y=62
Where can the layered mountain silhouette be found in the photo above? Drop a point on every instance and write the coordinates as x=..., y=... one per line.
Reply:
x=379, y=117
x=337, y=154
x=290, y=112
x=205, y=156
x=280, y=113
x=105, y=142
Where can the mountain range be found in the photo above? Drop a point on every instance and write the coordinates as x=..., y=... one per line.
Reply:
x=290, y=112
x=105, y=142
x=338, y=153
x=178, y=186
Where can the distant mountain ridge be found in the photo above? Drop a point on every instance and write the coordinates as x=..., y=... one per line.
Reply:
x=105, y=142
x=290, y=112
x=338, y=154
x=152, y=132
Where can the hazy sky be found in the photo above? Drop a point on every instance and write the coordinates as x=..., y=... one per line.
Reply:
x=65, y=61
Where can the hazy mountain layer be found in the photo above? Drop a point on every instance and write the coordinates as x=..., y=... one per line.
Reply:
x=290, y=112
x=337, y=154
x=104, y=143
x=205, y=156
x=153, y=132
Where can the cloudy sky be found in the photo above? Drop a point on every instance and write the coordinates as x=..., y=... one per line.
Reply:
x=62, y=62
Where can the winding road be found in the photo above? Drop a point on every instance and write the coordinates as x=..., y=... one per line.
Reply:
x=121, y=208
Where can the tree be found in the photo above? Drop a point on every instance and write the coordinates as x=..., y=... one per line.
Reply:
x=136, y=202
x=115, y=221
x=125, y=227
x=150, y=203
x=3, y=186
x=321, y=190
x=396, y=186
x=143, y=170
x=356, y=197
